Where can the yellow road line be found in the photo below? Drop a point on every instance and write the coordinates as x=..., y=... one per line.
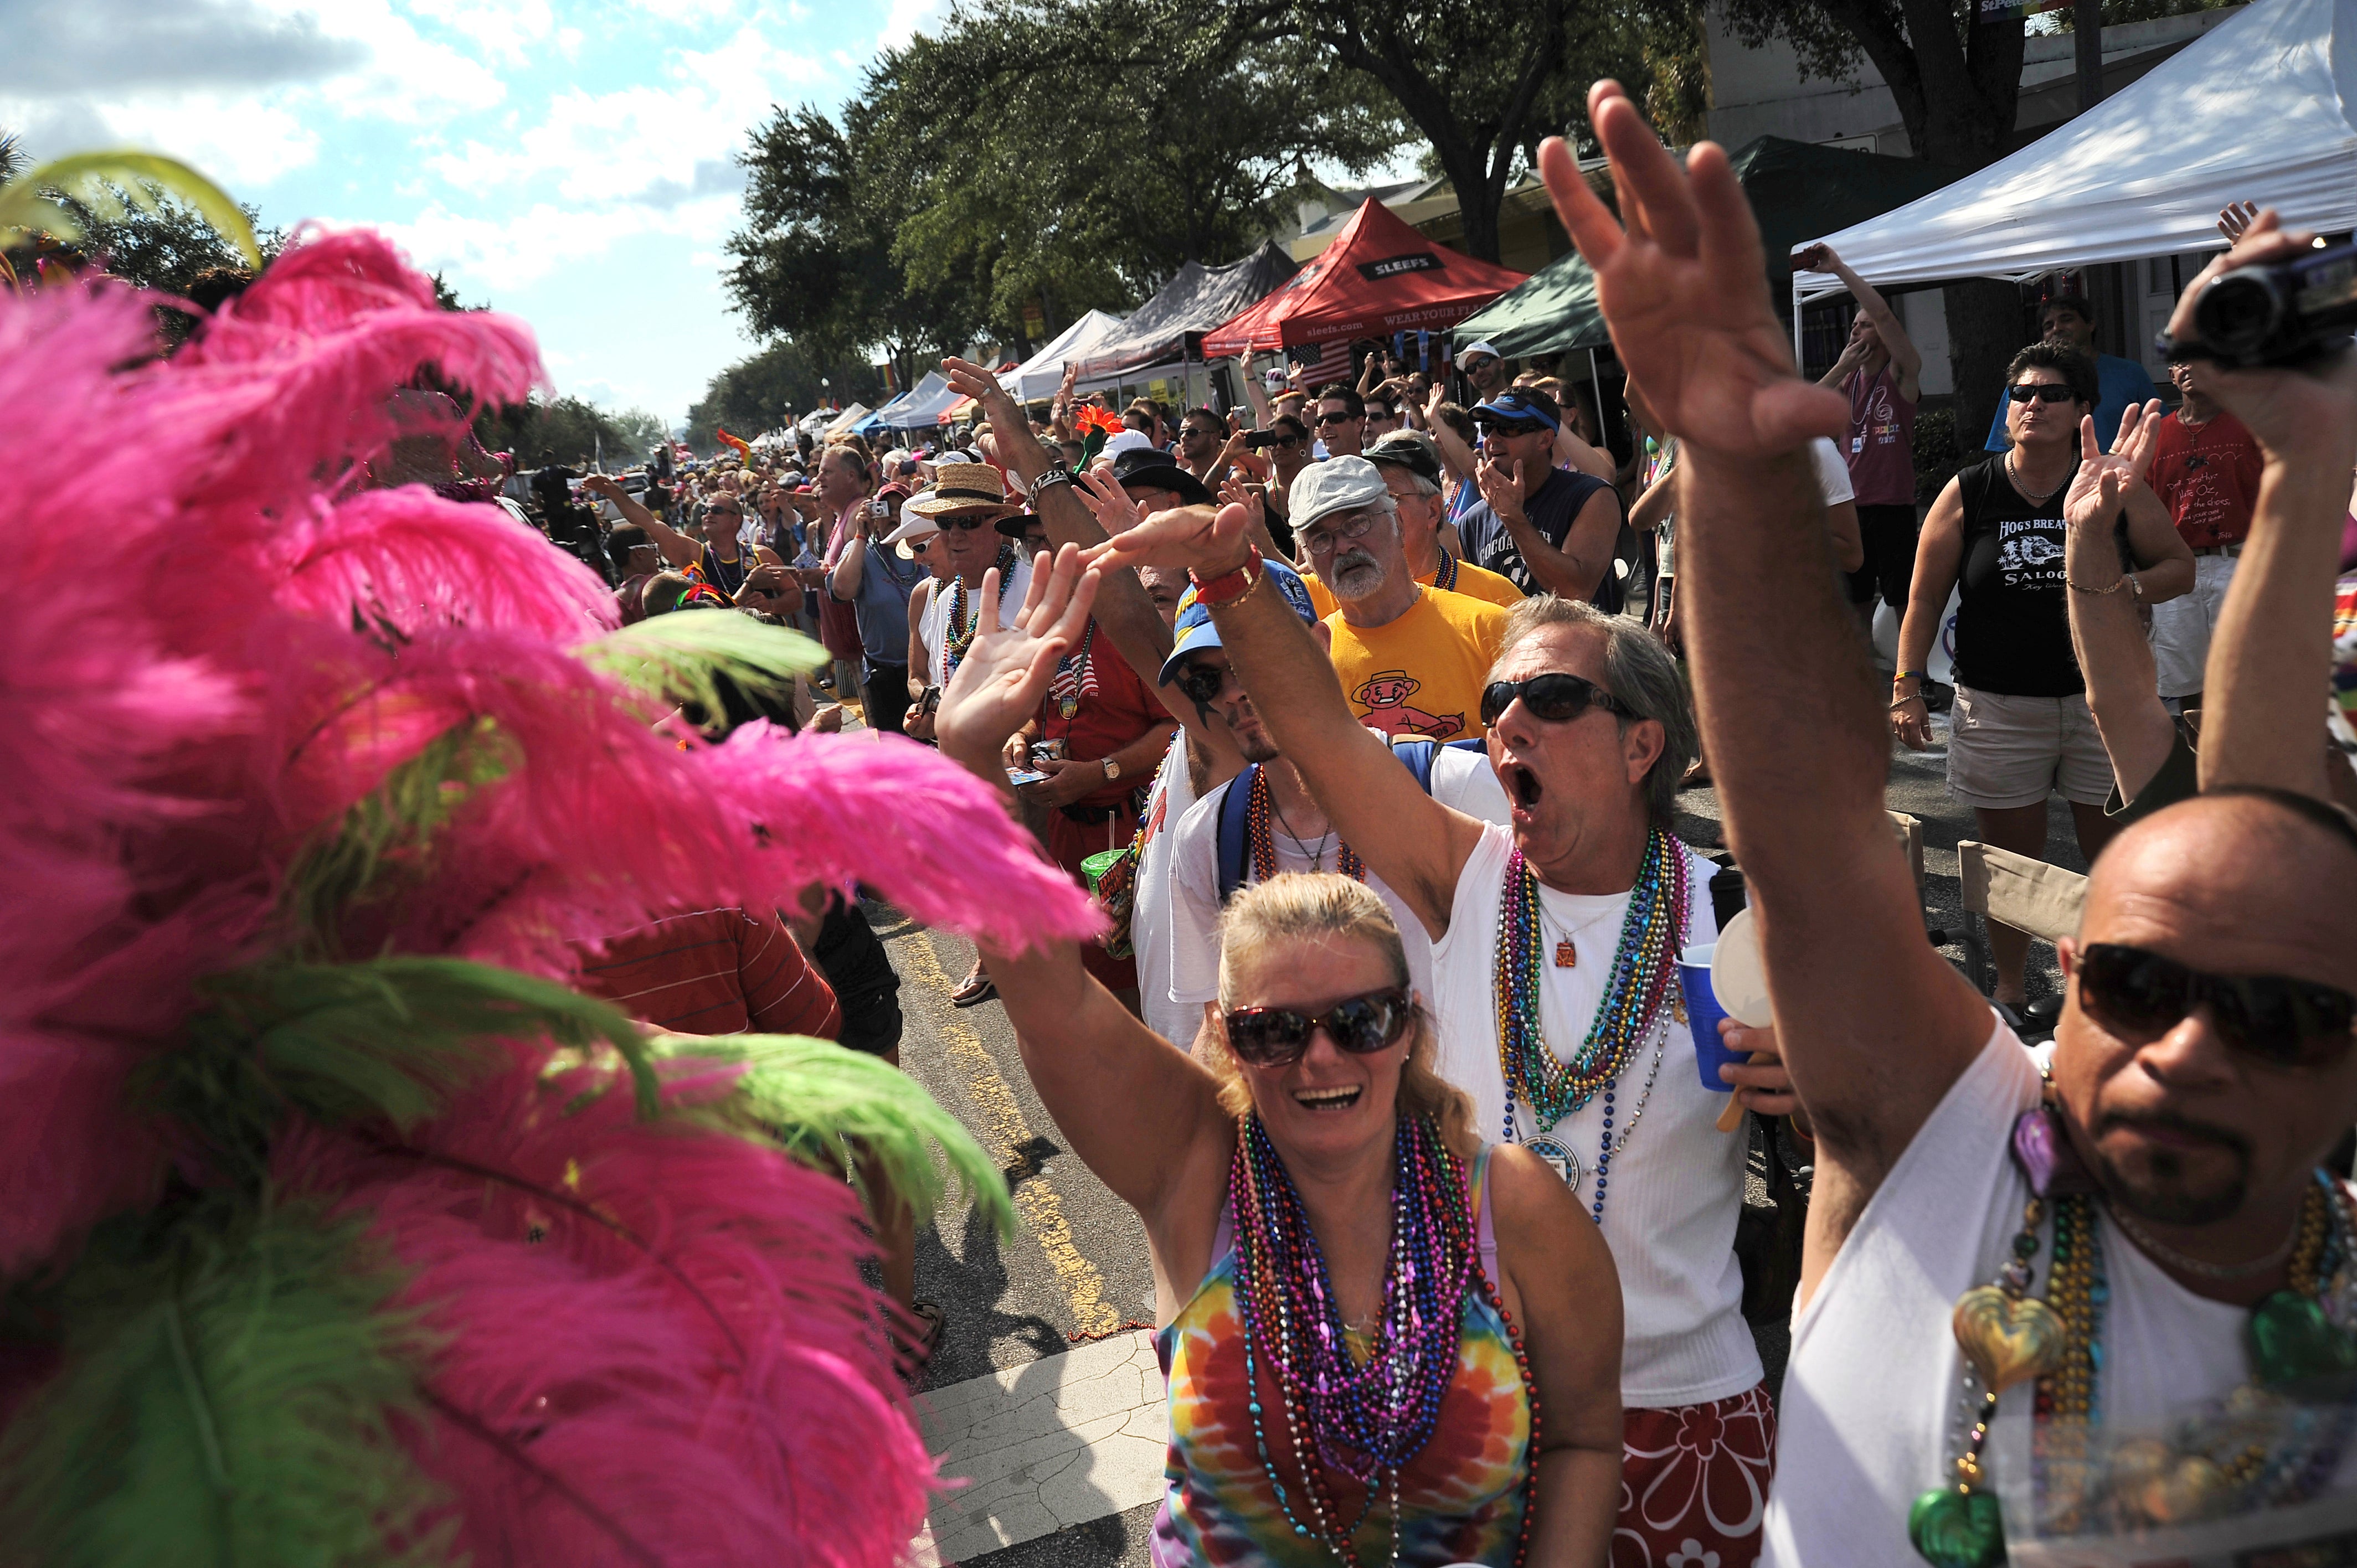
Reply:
x=1005, y=1132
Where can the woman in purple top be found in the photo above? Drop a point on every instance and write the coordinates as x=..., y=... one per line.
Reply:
x=1880, y=371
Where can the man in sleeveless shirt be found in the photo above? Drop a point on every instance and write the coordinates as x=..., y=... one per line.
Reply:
x=2202, y=1065
x=1555, y=918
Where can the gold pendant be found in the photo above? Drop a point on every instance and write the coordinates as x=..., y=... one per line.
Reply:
x=1566, y=955
x=2008, y=1339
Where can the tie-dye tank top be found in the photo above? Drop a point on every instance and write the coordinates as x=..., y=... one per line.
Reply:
x=1461, y=1497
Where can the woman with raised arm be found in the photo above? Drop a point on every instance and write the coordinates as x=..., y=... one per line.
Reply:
x=1382, y=1338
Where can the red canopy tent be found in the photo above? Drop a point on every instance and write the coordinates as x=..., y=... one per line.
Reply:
x=1378, y=277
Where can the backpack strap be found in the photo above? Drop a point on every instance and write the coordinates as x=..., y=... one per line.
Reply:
x=1415, y=756
x=1233, y=851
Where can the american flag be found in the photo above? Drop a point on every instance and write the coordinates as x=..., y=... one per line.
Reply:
x=1321, y=362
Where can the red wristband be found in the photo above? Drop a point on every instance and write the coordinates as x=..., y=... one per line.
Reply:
x=1229, y=587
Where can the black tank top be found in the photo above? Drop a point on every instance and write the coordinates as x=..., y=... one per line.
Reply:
x=2013, y=631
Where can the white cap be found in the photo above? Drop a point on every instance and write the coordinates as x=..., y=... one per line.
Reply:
x=1484, y=347
x=1124, y=441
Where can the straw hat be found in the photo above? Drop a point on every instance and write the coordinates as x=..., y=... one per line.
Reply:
x=961, y=487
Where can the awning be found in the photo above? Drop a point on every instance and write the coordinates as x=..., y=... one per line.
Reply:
x=2257, y=109
x=1378, y=277
x=847, y=419
x=1039, y=376
x=1198, y=299
x=890, y=416
x=1796, y=190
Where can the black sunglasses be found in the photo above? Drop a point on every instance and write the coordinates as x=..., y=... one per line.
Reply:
x=966, y=524
x=1278, y=1037
x=2044, y=392
x=1201, y=682
x=2280, y=1022
x=1324, y=419
x=1557, y=698
x=1287, y=442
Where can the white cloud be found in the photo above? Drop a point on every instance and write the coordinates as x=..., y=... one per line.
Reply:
x=239, y=142
x=908, y=18
x=503, y=27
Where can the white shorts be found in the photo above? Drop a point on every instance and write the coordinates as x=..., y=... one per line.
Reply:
x=2005, y=752
x=2182, y=626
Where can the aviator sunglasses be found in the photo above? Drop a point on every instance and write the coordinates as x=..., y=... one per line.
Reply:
x=2283, y=1023
x=1278, y=1037
x=1557, y=698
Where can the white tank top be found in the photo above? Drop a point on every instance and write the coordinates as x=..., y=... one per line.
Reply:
x=1677, y=1184
x=1150, y=919
x=932, y=629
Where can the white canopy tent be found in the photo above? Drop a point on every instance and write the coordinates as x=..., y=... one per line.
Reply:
x=847, y=419
x=1039, y=376
x=2257, y=109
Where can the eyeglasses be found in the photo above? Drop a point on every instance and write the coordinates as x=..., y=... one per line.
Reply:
x=1557, y=698
x=1326, y=419
x=2283, y=1023
x=1202, y=683
x=1322, y=541
x=2044, y=392
x=1278, y=1037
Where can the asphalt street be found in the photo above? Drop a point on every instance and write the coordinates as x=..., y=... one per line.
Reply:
x=1077, y=1273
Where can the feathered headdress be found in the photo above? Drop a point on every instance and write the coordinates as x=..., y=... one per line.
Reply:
x=332, y=1228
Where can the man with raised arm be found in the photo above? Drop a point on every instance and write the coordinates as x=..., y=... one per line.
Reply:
x=1553, y=942
x=2001, y=1272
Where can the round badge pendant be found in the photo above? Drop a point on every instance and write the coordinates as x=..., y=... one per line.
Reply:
x=1558, y=1154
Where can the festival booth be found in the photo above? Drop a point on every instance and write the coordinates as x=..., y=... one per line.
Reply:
x=1039, y=376
x=1378, y=277
x=1163, y=338
x=2257, y=109
x=893, y=415
x=1796, y=189
x=842, y=422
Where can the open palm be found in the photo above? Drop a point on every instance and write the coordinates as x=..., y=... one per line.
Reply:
x=1005, y=672
x=1681, y=276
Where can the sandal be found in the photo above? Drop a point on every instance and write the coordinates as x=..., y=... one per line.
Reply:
x=979, y=989
x=915, y=1357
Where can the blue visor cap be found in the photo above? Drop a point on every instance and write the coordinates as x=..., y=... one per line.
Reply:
x=1194, y=630
x=1514, y=405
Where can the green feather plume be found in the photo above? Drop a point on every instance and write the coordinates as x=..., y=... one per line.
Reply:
x=225, y=1397
x=686, y=657
x=393, y=1038
x=810, y=1096
x=102, y=181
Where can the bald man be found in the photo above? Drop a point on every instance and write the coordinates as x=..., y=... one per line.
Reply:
x=2042, y=1291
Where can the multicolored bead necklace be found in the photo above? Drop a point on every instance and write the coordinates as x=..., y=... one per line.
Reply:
x=956, y=642
x=1365, y=1419
x=1445, y=579
x=1634, y=1008
x=1258, y=808
x=2009, y=1336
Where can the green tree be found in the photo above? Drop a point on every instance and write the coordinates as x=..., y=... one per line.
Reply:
x=757, y=394
x=640, y=432
x=561, y=430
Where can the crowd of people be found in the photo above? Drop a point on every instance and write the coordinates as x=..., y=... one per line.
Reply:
x=1365, y=710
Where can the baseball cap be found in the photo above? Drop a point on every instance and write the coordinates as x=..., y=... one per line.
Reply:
x=1521, y=402
x=1194, y=631
x=1151, y=467
x=1409, y=449
x=1124, y=441
x=1338, y=484
x=1484, y=347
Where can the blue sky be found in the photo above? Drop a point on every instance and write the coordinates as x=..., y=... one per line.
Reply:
x=566, y=160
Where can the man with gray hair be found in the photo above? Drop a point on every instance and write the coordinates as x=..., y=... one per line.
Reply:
x=1412, y=659
x=1551, y=941
x=1409, y=461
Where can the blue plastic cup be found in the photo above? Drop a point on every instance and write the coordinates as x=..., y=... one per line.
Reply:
x=1703, y=1014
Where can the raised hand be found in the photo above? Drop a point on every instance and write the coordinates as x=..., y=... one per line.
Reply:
x=2309, y=409
x=2235, y=219
x=1005, y=672
x=2139, y=428
x=1106, y=501
x=2101, y=486
x=976, y=381
x=1187, y=538
x=1501, y=485
x=1684, y=290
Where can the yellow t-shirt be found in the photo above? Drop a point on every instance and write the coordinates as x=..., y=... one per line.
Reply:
x=1473, y=582
x=1421, y=676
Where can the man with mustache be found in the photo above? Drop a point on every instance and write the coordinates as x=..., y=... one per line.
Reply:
x=1412, y=659
x=2115, y=1290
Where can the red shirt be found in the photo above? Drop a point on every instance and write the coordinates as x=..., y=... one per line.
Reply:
x=2207, y=477
x=1880, y=451
x=1111, y=707
x=714, y=971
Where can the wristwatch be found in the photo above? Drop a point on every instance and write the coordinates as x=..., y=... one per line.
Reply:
x=1111, y=769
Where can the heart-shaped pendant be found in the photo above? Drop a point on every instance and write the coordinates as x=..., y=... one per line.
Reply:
x=2008, y=1339
x=1957, y=1529
x=2292, y=1342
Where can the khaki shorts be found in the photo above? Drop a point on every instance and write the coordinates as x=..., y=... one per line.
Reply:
x=2005, y=752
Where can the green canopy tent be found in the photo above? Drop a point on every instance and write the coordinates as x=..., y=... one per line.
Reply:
x=1797, y=191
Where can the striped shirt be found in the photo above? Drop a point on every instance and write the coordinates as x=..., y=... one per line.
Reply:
x=714, y=971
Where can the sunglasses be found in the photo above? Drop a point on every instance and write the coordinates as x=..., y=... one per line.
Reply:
x=1278, y=1037
x=1287, y=442
x=2283, y=1023
x=1506, y=430
x=965, y=524
x=1557, y=698
x=2044, y=392
x=1326, y=419
x=1321, y=541
x=1202, y=683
